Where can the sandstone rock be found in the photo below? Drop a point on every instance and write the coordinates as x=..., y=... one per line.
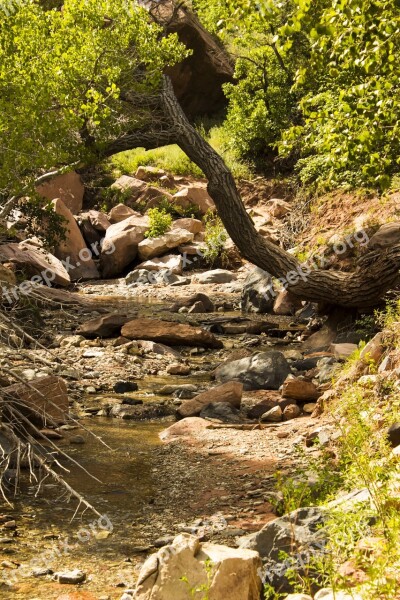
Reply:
x=278, y=208
x=191, y=300
x=73, y=249
x=192, y=225
x=233, y=573
x=178, y=369
x=388, y=235
x=215, y=276
x=7, y=277
x=72, y=577
x=258, y=293
x=120, y=212
x=186, y=428
x=274, y=415
x=197, y=307
x=309, y=407
x=260, y=403
x=299, y=389
x=292, y=411
x=99, y=220
x=298, y=529
x=91, y=236
x=343, y=350
x=36, y=262
x=230, y=393
x=120, y=244
x=104, y=326
x=148, y=173
x=172, y=262
x=153, y=196
x=135, y=186
x=221, y=411
x=44, y=402
x=195, y=195
x=151, y=247
x=265, y=370
x=374, y=349
x=68, y=187
x=286, y=303
x=167, y=332
x=160, y=349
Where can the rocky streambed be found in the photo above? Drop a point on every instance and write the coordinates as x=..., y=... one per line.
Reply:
x=213, y=477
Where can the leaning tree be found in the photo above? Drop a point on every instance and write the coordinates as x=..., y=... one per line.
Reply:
x=83, y=83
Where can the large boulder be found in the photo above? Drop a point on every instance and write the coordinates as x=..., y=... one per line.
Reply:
x=170, y=333
x=187, y=565
x=195, y=195
x=131, y=186
x=222, y=412
x=120, y=245
x=230, y=393
x=258, y=293
x=265, y=370
x=186, y=428
x=99, y=220
x=286, y=303
x=388, y=235
x=35, y=262
x=73, y=249
x=148, y=173
x=68, y=187
x=193, y=225
x=44, y=401
x=300, y=389
x=299, y=535
x=171, y=262
x=215, y=276
x=152, y=247
x=120, y=212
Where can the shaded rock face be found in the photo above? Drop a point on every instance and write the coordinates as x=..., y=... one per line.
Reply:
x=300, y=529
x=44, y=401
x=35, y=262
x=166, y=332
x=198, y=79
x=266, y=370
x=257, y=293
x=182, y=566
x=120, y=245
x=105, y=326
x=229, y=393
x=222, y=412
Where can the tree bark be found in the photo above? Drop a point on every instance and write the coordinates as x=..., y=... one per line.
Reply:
x=363, y=288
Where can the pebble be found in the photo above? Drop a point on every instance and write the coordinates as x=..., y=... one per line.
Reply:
x=77, y=439
x=71, y=577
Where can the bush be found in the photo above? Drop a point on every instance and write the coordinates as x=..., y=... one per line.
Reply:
x=160, y=222
x=215, y=239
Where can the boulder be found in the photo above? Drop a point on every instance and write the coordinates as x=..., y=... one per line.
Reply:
x=73, y=249
x=200, y=297
x=125, y=183
x=278, y=208
x=153, y=196
x=374, y=349
x=7, y=277
x=187, y=565
x=388, y=235
x=99, y=220
x=344, y=350
x=68, y=187
x=151, y=247
x=260, y=402
x=120, y=245
x=192, y=225
x=44, y=402
x=36, y=262
x=195, y=195
x=394, y=435
x=148, y=173
x=160, y=349
x=120, y=212
x=274, y=415
x=178, y=369
x=230, y=393
x=258, y=293
x=104, y=326
x=215, y=276
x=171, y=262
x=91, y=236
x=222, y=412
x=170, y=333
x=292, y=411
x=186, y=428
x=265, y=370
x=300, y=389
x=286, y=303
x=301, y=530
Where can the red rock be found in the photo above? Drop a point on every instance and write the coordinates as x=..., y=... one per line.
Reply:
x=45, y=399
x=230, y=393
x=68, y=187
x=299, y=389
x=170, y=333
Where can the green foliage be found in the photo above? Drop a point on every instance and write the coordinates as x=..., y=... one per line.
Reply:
x=170, y=158
x=215, y=239
x=160, y=222
x=41, y=220
x=110, y=197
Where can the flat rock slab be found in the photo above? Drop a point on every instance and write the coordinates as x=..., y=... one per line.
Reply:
x=167, y=332
x=44, y=399
x=105, y=326
x=230, y=392
x=36, y=262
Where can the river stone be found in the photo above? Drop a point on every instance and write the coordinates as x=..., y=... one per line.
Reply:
x=298, y=597
x=286, y=303
x=394, y=435
x=230, y=393
x=215, y=276
x=265, y=370
x=301, y=529
x=152, y=247
x=45, y=400
x=120, y=212
x=258, y=293
x=134, y=185
x=120, y=245
x=105, y=326
x=274, y=415
x=71, y=577
x=99, y=220
x=187, y=302
x=186, y=428
x=192, y=225
x=292, y=411
x=388, y=235
x=223, y=412
x=231, y=573
x=299, y=389
x=122, y=387
x=171, y=262
x=170, y=333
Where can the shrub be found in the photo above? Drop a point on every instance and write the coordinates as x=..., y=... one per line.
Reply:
x=215, y=239
x=160, y=222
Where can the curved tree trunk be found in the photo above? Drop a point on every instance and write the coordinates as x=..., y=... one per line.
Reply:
x=363, y=288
